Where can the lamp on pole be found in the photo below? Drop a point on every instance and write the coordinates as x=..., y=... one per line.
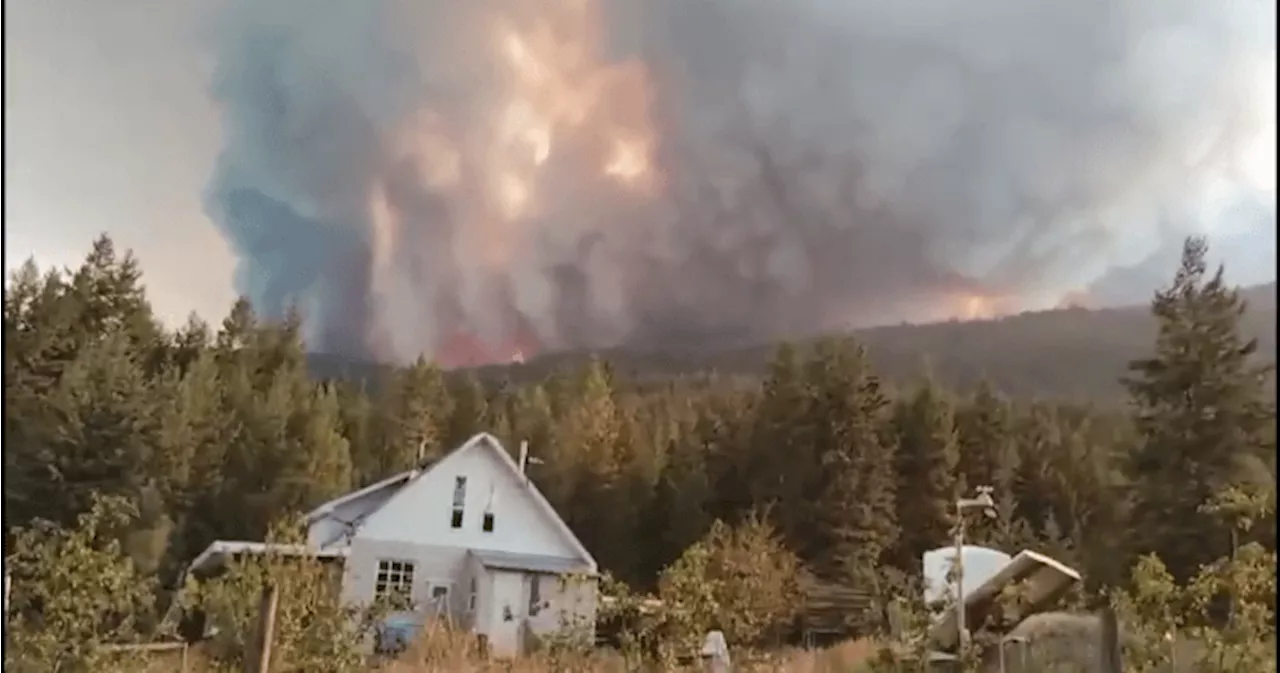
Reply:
x=984, y=502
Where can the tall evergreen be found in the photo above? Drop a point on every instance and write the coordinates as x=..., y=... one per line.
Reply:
x=1203, y=413
x=854, y=514
x=416, y=413
x=780, y=467
x=985, y=435
x=925, y=463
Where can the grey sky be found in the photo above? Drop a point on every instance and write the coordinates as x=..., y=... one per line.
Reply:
x=108, y=128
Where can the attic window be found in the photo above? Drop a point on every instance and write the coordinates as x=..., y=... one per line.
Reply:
x=459, y=499
x=487, y=523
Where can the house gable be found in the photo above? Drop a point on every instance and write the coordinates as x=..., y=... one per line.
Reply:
x=422, y=511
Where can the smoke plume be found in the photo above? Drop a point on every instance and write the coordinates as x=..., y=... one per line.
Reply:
x=471, y=179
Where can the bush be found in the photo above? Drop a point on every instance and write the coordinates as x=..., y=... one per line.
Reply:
x=314, y=631
x=75, y=592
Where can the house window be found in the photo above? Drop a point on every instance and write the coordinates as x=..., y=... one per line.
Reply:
x=459, y=499
x=440, y=598
x=487, y=522
x=471, y=596
x=535, y=595
x=395, y=581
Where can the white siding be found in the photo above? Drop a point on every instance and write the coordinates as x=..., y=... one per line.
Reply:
x=420, y=513
x=508, y=600
x=568, y=603
x=432, y=565
x=564, y=604
x=479, y=620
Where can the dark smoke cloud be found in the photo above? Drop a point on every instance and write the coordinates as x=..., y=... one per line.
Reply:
x=823, y=163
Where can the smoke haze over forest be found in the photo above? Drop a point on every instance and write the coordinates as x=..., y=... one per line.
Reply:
x=475, y=179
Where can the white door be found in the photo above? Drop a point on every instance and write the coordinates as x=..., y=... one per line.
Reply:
x=506, y=613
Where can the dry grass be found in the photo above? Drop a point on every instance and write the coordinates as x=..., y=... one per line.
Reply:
x=441, y=651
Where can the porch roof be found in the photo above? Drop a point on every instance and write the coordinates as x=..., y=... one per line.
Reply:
x=537, y=563
x=217, y=553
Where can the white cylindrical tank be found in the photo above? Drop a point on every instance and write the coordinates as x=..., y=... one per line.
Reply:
x=980, y=565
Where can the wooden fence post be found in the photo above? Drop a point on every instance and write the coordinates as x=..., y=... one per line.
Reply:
x=260, y=661
x=1109, y=641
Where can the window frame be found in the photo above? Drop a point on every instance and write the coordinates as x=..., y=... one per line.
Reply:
x=535, y=594
x=390, y=581
x=457, y=513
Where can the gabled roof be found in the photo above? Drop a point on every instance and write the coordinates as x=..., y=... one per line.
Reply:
x=394, y=481
x=482, y=441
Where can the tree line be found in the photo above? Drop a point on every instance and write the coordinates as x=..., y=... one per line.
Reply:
x=219, y=432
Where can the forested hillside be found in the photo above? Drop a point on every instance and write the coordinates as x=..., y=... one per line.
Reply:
x=217, y=432
x=1066, y=353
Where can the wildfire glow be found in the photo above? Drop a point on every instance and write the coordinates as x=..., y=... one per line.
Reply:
x=560, y=108
x=978, y=307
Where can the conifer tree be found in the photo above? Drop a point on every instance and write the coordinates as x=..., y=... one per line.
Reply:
x=925, y=463
x=854, y=520
x=416, y=410
x=780, y=468
x=469, y=411
x=1202, y=411
x=985, y=433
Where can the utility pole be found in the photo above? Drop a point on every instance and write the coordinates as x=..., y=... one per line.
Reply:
x=987, y=505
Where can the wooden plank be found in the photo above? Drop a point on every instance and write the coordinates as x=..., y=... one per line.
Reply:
x=144, y=647
x=260, y=661
x=1110, y=645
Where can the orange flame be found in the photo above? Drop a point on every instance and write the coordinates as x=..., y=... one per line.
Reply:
x=559, y=104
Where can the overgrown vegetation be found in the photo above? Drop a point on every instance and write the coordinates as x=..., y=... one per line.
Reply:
x=131, y=447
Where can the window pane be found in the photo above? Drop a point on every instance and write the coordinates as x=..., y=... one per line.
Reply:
x=459, y=491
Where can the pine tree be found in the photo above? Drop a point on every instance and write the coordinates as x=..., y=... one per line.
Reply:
x=780, y=468
x=1203, y=413
x=97, y=433
x=193, y=429
x=925, y=463
x=415, y=415
x=588, y=468
x=469, y=413
x=1034, y=484
x=854, y=519
x=680, y=515
x=985, y=432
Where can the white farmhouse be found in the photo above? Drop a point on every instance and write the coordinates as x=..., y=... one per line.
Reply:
x=468, y=537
